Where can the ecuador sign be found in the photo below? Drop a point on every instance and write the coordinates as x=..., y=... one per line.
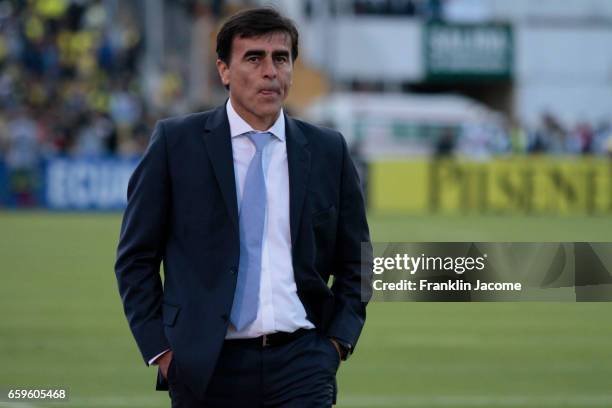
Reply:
x=87, y=184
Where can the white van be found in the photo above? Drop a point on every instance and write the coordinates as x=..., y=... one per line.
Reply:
x=400, y=125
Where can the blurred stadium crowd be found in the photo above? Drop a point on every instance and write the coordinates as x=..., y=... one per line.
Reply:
x=550, y=136
x=70, y=81
x=553, y=137
x=70, y=84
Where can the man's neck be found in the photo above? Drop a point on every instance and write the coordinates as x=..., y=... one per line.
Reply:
x=256, y=122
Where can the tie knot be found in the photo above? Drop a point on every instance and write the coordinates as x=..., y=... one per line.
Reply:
x=260, y=140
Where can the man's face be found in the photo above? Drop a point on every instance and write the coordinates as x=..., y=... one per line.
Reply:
x=259, y=75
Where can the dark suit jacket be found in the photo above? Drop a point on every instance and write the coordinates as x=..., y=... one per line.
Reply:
x=182, y=210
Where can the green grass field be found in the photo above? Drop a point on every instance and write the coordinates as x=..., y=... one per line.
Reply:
x=62, y=324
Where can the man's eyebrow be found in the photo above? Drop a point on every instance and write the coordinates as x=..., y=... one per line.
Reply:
x=261, y=53
x=257, y=53
x=283, y=53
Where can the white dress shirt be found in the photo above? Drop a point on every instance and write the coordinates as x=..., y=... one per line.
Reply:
x=280, y=308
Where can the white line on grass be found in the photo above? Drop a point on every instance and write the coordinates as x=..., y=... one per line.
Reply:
x=556, y=401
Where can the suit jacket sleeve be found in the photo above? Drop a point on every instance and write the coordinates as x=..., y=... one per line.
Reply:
x=352, y=263
x=141, y=247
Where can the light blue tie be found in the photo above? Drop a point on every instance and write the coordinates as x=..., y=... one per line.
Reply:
x=251, y=226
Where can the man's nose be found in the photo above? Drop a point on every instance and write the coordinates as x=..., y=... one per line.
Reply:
x=268, y=68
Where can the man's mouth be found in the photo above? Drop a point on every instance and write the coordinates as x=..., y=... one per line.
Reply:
x=269, y=92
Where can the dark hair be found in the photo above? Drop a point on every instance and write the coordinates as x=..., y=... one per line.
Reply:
x=254, y=23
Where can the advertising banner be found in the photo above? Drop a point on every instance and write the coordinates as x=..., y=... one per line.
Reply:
x=519, y=185
x=461, y=51
x=87, y=184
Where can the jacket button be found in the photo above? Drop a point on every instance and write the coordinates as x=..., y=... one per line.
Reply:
x=232, y=271
x=225, y=317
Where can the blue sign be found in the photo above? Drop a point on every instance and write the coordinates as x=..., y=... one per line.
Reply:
x=3, y=185
x=86, y=183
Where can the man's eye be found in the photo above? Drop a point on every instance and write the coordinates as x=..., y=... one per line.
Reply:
x=281, y=59
x=253, y=59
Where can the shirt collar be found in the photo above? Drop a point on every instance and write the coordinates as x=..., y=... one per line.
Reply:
x=239, y=126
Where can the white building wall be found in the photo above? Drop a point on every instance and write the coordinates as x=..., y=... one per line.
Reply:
x=565, y=71
x=517, y=10
x=526, y=9
x=366, y=48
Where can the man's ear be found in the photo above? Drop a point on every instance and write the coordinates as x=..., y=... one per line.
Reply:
x=223, y=70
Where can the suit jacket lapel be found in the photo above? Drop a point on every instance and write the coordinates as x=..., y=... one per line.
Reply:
x=298, y=157
x=219, y=148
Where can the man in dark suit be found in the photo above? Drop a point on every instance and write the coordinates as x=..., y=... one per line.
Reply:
x=251, y=212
